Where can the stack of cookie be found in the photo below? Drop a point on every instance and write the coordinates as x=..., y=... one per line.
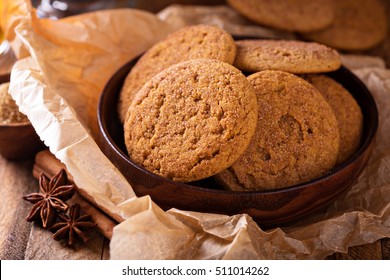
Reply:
x=350, y=25
x=199, y=104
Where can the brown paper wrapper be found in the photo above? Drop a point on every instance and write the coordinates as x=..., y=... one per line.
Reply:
x=64, y=67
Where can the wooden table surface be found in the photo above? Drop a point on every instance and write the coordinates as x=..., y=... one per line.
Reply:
x=22, y=240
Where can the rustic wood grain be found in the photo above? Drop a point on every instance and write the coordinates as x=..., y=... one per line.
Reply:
x=386, y=249
x=16, y=181
x=47, y=163
x=20, y=239
x=371, y=251
x=41, y=246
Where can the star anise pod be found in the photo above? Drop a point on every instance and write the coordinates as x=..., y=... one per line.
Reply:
x=72, y=225
x=53, y=193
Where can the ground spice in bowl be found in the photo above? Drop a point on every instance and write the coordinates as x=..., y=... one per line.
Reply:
x=18, y=139
x=9, y=111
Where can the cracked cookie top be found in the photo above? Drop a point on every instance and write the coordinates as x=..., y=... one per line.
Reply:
x=191, y=42
x=287, y=55
x=192, y=120
x=347, y=111
x=296, y=140
x=290, y=15
x=358, y=25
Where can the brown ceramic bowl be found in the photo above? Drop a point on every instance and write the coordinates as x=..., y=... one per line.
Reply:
x=18, y=140
x=4, y=78
x=268, y=208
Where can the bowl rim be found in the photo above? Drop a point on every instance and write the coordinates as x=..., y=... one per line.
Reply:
x=364, y=145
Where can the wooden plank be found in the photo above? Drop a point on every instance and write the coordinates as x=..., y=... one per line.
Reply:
x=16, y=181
x=41, y=246
x=46, y=163
x=20, y=239
x=386, y=249
x=371, y=251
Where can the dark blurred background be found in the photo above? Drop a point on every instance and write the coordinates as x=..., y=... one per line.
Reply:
x=63, y=8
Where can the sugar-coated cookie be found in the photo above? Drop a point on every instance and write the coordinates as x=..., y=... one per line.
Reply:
x=192, y=42
x=192, y=120
x=291, y=56
x=290, y=15
x=358, y=25
x=296, y=139
x=346, y=110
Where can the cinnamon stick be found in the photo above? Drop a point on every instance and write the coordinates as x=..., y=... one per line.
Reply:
x=47, y=163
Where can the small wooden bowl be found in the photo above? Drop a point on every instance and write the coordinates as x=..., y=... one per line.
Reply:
x=4, y=78
x=268, y=208
x=18, y=140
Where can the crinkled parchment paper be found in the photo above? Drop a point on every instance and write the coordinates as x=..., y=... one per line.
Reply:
x=63, y=66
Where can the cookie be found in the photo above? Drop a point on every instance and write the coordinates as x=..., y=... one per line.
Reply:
x=347, y=111
x=358, y=25
x=290, y=56
x=296, y=139
x=192, y=120
x=198, y=41
x=289, y=15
